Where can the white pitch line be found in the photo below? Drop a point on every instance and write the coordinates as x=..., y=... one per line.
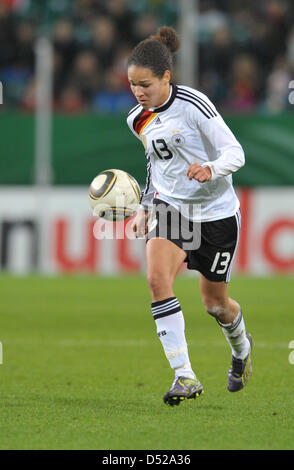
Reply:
x=133, y=343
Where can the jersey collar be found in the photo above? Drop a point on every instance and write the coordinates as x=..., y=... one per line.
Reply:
x=167, y=104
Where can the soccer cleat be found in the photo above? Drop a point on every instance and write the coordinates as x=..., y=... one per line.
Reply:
x=182, y=387
x=240, y=370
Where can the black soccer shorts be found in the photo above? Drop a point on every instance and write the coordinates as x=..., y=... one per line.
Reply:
x=210, y=246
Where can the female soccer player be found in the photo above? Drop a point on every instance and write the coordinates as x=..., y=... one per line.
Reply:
x=191, y=154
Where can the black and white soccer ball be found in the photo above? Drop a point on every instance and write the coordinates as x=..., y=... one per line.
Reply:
x=114, y=195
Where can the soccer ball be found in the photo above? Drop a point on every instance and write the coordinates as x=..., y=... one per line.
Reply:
x=114, y=195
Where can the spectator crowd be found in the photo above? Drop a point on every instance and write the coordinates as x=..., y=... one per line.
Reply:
x=246, y=51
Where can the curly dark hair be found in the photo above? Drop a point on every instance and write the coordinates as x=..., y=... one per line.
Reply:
x=156, y=52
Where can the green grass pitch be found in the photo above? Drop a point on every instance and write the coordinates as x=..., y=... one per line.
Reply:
x=83, y=368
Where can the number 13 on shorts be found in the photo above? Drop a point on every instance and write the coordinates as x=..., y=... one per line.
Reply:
x=221, y=261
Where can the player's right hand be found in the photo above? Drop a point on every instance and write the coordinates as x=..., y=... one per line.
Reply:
x=199, y=173
x=140, y=223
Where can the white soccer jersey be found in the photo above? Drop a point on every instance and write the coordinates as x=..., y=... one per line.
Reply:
x=184, y=130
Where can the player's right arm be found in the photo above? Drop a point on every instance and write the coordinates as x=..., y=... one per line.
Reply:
x=140, y=222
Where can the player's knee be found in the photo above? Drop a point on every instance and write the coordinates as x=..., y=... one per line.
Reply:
x=216, y=307
x=158, y=284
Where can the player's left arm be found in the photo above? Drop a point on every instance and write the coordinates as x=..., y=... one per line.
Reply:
x=230, y=155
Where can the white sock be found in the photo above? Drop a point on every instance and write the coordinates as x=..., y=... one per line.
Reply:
x=235, y=334
x=170, y=325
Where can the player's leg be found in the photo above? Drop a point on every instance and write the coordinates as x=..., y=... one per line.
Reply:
x=228, y=314
x=213, y=259
x=164, y=259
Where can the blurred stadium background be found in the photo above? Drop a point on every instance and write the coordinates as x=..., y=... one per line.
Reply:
x=69, y=378
x=63, y=120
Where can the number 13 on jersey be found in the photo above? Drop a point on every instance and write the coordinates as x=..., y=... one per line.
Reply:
x=221, y=261
x=161, y=149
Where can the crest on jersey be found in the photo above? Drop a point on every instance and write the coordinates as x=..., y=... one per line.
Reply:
x=178, y=140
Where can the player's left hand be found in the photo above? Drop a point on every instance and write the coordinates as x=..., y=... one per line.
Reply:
x=199, y=173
